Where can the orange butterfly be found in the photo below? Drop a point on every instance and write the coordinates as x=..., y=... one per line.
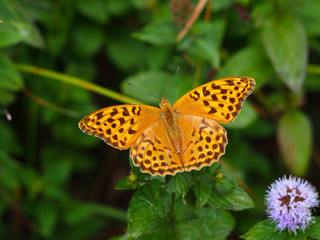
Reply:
x=177, y=138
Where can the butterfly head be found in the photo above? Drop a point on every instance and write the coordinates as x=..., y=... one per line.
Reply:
x=164, y=103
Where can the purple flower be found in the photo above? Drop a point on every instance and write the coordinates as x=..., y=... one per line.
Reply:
x=289, y=203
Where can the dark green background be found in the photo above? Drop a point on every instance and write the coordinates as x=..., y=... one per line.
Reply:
x=58, y=183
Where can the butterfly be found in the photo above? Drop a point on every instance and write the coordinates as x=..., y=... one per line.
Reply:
x=173, y=138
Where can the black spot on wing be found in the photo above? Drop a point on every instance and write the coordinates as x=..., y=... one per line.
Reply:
x=131, y=131
x=205, y=91
x=195, y=95
x=125, y=112
x=114, y=112
x=99, y=115
x=212, y=110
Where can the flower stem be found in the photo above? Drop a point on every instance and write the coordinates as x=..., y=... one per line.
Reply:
x=77, y=82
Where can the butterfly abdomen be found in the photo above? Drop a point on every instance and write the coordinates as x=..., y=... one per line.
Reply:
x=171, y=124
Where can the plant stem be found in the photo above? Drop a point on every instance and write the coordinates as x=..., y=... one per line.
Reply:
x=77, y=82
x=313, y=69
x=49, y=105
x=198, y=9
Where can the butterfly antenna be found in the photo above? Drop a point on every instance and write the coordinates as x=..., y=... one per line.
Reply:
x=6, y=112
x=172, y=81
x=143, y=91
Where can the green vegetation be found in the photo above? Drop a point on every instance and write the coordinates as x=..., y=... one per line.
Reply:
x=61, y=60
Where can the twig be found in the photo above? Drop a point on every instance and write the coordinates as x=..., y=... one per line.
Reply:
x=50, y=105
x=192, y=19
x=76, y=82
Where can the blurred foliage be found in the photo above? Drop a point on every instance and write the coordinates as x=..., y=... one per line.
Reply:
x=265, y=230
x=57, y=183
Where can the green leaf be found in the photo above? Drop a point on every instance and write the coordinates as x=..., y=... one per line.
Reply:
x=10, y=78
x=246, y=117
x=47, y=216
x=158, y=33
x=263, y=230
x=221, y=5
x=208, y=223
x=59, y=26
x=314, y=231
x=148, y=204
x=35, y=38
x=204, y=41
x=155, y=82
x=310, y=17
x=87, y=39
x=160, y=230
x=122, y=237
x=250, y=61
x=118, y=8
x=30, y=14
x=7, y=12
x=9, y=141
x=13, y=32
x=9, y=171
x=208, y=42
x=180, y=183
x=202, y=192
x=295, y=141
x=31, y=181
x=261, y=129
x=229, y=195
x=55, y=172
x=299, y=235
x=157, y=57
x=266, y=230
x=76, y=213
x=6, y=97
x=12, y=29
x=125, y=184
x=124, y=52
x=95, y=10
x=286, y=45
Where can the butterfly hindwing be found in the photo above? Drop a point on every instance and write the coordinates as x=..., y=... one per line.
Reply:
x=154, y=153
x=119, y=126
x=203, y=144
x=219, y=100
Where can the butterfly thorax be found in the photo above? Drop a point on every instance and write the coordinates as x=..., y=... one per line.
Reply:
x=167, y=112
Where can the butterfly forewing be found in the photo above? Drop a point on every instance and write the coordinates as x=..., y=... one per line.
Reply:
x=219, y=100
x=119, y=126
